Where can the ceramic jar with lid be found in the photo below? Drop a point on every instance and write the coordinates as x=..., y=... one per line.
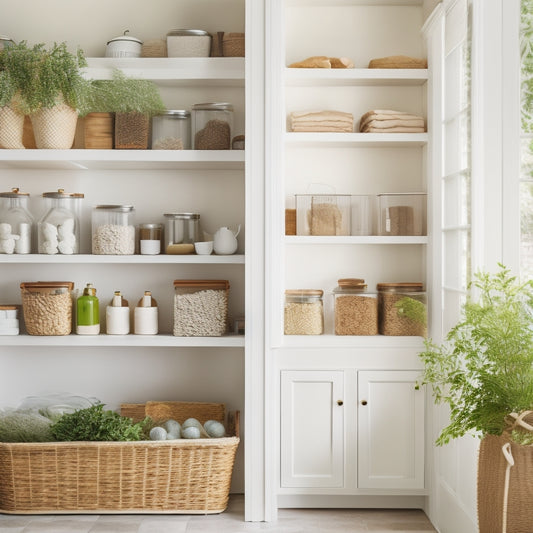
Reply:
x=402, y=309
x=188, y=43
x=124, y=46
x=172, y=130
x=15, y=223
x=58, y=232
x=304, y=312
x=212, y=125
x=356, y=310
x=113, y=231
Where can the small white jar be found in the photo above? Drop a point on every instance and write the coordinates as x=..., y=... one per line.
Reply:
x=145, y=316
x=124, y=46
x=117, y=316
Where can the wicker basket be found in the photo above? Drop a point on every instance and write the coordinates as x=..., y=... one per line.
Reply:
x=174, y=476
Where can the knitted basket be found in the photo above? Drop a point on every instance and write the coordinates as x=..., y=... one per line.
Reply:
x=54, y=127
x=11, y=128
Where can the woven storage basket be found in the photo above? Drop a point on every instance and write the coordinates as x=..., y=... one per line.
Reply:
x=175, y=476
x=493, y=507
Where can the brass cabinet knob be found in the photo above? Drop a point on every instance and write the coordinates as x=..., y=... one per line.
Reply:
x=340, y=402
x=363, y=402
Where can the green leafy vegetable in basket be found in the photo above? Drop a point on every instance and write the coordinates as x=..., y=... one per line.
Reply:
x=95, y=424
x=24, y=426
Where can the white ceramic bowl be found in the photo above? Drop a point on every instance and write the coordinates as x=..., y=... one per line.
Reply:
x=203, y=248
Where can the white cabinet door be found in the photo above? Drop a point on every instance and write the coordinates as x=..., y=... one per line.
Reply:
x=312, y=428
x=391, y=430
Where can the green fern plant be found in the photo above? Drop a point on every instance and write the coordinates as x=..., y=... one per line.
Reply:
x=484, y=369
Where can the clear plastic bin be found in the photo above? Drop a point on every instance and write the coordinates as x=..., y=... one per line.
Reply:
x=362, y=214
x=323, y=214
x=402, y=214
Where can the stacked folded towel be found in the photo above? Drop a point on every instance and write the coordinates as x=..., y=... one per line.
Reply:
x=389, y=121
x=323, y=121
x=398, y=62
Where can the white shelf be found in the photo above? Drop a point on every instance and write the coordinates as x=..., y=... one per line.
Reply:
x=231, y=341
x=221, y=71
x=364, y=239
x=122, y=159
x=374, y=140
x=315, y=77
x=121, y=259
x=351, y=341
x=333, y=3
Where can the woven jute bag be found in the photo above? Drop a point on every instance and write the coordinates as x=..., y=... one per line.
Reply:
x=505, y=480
x=54, y=127
x=11, y=128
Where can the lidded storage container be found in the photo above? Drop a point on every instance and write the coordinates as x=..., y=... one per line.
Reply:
x=212, y=126
x=402, y=309
x=58, y=232
x=113, y=232
x=124, y=46
x=172, y=130
x=200, y=307
x=188, y=43
x=150, y=238
x=362, y=214
x=323, y=214
x=181, y=229
x=47, y=307
x=15, y=223
x=356, y=310
x=402, y=213
x=304, y=312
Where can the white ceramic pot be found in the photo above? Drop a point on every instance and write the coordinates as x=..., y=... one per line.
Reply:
x=124, y=46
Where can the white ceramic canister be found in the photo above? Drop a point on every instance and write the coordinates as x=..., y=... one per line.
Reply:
x=145, y=316
x=117, y=316
x=124, y=46
x=188, y=43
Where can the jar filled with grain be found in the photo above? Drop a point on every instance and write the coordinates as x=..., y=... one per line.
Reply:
x=47, y=307
x=304, y=312
x=113, y=232
x=402, y=309
x=171, y=130
x=212, y=126
x=200, y=307
x=356, y=310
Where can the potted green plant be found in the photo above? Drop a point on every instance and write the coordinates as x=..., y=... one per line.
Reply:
x=133, y=101
x=484, y=373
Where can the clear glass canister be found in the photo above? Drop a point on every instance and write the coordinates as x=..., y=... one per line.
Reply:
x=150, y=238
x=182, y=230
x=58, y=232
x=15, y=223
x=356, y=310
x=172, y=130
x=212, y=126
x=113, y=232
x=200, y=307
x=402, y=309
x=304, y=312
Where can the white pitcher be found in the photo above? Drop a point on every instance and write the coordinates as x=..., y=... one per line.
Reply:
x=225, y=241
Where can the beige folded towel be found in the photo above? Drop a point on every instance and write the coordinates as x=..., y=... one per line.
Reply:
x=399, y=129
x=321, y=115
x=385, y=124
x=398, y=62
x=323, y=62
x=339, y=129
x=388, y=120
x=332, y=121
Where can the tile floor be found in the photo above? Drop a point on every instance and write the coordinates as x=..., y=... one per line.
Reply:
x=289, y=521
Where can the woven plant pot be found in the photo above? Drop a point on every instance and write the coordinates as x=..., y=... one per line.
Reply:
x=131, y=131
x=11, y=128
x=505, y=490
x=54, y=127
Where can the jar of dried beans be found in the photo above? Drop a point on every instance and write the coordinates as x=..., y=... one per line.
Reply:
x=356, y=310
x=212, y=126
x=304, y=312
x=200, y=307
x=402, y=309
x=113, y=231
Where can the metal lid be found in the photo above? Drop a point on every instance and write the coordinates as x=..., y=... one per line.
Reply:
x=117, y=208
x=125, y=38
x=62, y=194
x=184, y=216
x=175, y=113
x=401, y=194
x=151, y=226
x=14, y=193
x=401, y=287
x=188, y=33
x=213, y=106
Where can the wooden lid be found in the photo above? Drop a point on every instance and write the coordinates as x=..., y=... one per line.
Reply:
x=403, y=286
x=304, y=292
x=215, y=284
x=35, y=285
x=352, y=283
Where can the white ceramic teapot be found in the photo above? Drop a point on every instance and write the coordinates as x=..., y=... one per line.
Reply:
x=225, y=241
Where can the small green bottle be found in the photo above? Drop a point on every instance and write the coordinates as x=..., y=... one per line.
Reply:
x=88, y=312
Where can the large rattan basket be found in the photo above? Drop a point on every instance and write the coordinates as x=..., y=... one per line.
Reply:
x=174, y=476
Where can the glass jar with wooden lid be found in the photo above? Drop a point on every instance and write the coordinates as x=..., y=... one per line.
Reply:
x=304, y=312
x=356, y=310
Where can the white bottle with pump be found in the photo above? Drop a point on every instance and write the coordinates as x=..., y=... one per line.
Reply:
x=117, y=315
x=145, y=315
